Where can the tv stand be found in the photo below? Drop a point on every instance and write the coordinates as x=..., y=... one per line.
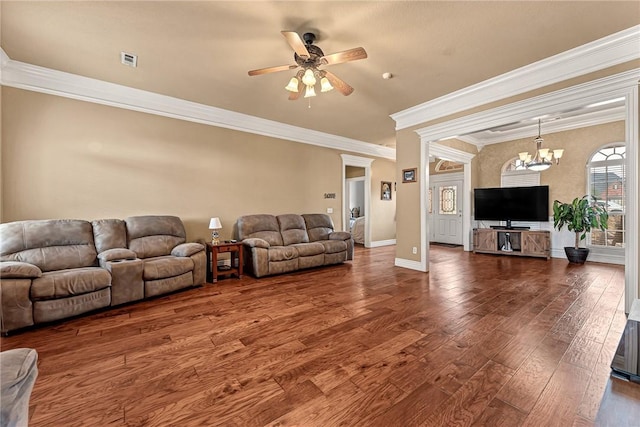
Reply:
x=514, y=241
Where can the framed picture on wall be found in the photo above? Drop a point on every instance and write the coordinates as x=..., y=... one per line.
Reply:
x=409, y=175
x=385, y=190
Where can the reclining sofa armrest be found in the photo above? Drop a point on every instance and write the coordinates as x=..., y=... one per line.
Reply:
x=346, y=237
x=255, y=242
x=187, y=249
x=109, y=256
x=339, y=235
x=19, y=270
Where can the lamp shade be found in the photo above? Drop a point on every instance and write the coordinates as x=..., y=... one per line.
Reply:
x=293, y=85
x=325, y=85
x=309, y=92
x=308, y=78
x=215, y=224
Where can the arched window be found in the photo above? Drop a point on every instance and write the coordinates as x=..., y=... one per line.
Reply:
x=607, y=183
x=514, y=175
x=449, y=166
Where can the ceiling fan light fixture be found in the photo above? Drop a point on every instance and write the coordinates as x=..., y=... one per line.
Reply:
x=308, y=78
x=309, y=92
x=325, y=85
x=293, y=85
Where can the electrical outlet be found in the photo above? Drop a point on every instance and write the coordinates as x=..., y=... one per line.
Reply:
x=329, y=210
x=414, y=250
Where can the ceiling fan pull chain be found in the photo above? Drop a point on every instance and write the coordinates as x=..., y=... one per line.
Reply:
x=309, y=102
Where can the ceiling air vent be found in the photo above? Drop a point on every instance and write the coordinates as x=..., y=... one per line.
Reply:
x=129, y=59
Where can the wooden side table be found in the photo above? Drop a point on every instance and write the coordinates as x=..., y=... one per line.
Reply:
x=213, y=271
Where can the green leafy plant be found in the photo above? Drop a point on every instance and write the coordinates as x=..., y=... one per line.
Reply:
x=580, y=216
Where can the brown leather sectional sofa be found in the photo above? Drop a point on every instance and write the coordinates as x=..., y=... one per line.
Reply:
x=54, y=269
x=290, y=242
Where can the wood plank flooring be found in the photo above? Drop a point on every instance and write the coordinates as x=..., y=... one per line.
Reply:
x=482, y=340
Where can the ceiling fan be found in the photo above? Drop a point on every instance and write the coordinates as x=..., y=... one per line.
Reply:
x=310, y=58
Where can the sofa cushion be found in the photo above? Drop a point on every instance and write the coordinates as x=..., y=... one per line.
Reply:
x=260, y=226
x=333, y=246
x=292, y=229
x=66, y=283
x=309, y=249
x=109, y=234
x=166, y=266
x=18, y=270
x=282, y=253
x=319, y=226
x=151, y=236
x=54, y=244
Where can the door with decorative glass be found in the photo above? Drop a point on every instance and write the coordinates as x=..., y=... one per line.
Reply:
x=446, y=211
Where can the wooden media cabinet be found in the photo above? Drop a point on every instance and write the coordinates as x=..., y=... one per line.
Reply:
x=535, y=243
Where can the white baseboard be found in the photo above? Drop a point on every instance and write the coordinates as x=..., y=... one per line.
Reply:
x=594, y=256
x=379, y=243
x=410, y=264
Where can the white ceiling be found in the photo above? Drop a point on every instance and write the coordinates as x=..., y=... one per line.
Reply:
x=201, y=51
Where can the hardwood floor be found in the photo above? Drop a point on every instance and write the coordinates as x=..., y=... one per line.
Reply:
x=482, y=340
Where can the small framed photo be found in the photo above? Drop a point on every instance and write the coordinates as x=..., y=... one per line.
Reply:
x=385, y=190
x=409, y=175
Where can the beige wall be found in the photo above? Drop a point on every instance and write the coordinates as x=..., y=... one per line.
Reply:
x=63, y=158
x=567, y=180
x=408, y=200
x=385, y=210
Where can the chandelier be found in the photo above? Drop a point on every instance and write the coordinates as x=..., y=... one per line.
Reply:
x=541, y=159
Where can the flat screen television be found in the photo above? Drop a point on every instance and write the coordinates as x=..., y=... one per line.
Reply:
x=512, y=204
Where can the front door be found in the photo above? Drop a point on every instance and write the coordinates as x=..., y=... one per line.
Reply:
x=447, y=212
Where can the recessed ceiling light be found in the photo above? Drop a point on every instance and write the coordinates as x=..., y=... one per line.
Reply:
x=387, y=76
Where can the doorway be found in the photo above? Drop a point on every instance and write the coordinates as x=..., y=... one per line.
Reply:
x=446, y=209
x=361, y=168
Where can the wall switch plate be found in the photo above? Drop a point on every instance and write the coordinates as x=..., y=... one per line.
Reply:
x=414, y=250
x=329, y=210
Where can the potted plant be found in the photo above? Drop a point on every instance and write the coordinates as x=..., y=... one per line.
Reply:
x=580, y=216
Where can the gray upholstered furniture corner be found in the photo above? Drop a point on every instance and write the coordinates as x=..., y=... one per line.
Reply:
x=51, y=272
x=54, y=269
x=18, y=372
x=290, y=242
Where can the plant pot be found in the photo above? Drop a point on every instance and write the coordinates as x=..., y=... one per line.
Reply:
x=576, y=256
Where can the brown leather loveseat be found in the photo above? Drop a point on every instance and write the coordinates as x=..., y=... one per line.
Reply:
x=290, y=242
x=55, y=269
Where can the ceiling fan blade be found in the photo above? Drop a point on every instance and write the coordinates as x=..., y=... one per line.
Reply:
x=296, y=43
x=347, y=55
x=295, y=95
x=338, y=83
x=271, y=69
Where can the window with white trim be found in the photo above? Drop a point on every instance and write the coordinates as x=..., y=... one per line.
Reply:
x=517, y=177
x=607, y=183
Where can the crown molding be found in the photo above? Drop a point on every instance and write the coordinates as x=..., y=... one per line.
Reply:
x=608, y=51
x=40, y=79
x=448, y=153
x=564, y=99
x=484, y=138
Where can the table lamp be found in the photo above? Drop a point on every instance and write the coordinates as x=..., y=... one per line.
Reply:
x=214, y=226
